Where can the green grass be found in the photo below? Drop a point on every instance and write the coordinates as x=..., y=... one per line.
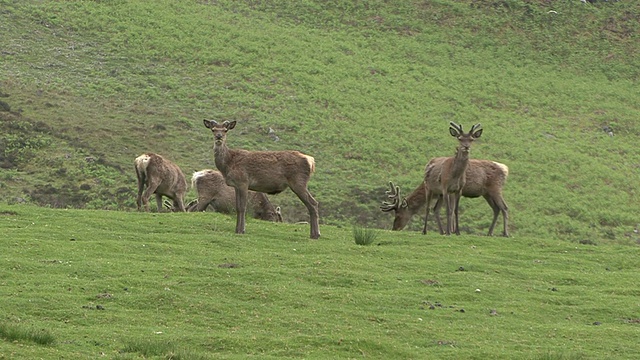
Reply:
x=368, y=89
x=14, y=333
x=131, y=285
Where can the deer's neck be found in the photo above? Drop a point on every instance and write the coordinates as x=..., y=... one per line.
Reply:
x=222, y=156
x=460, y=163
x=417, y=199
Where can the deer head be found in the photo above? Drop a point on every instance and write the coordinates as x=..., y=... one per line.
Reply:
x=400, y=207
x=465, y=139
x=219, y=130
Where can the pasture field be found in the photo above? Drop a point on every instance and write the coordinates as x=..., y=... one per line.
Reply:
x=90, y=284
x=367, y=88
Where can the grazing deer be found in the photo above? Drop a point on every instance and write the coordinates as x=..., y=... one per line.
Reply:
x=484, y=178
x=268, y=172
x=451, y=178
x=161, y=177
x=212, y=190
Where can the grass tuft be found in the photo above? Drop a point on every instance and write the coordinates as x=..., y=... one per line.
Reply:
x=165, y=350
x=364, y=236
x=14, y=333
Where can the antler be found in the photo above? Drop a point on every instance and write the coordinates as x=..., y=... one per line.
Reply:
x=394, y=195
x=457, y=127
x=475, y=127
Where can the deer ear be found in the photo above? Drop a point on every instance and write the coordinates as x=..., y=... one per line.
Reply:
x=404, y=203
x=453, y=132
x=477, y=133
x=210, y=123
x=231, y=125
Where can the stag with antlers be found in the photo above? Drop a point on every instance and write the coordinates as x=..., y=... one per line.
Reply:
x=451, y=177
x=484, y=178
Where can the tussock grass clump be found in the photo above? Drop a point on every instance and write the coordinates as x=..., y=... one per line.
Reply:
x=20, y=334
x=364, y=236
x=560, y=356
x=165, y=350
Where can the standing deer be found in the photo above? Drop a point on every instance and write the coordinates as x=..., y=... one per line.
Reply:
x=451, y=178
x=484, y=178
x=162, y=177
x=268, y=172
x=212, y=190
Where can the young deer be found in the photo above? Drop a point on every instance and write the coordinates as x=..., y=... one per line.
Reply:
x=484, y=178
x=162, y=177
x=212, y=190
x=269, y=172
x=451, y=178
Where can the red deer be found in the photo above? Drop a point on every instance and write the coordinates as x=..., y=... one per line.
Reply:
x=484, y=178
x=161, y=177
x=212, y=190
x=268, y=172
x=451, y=178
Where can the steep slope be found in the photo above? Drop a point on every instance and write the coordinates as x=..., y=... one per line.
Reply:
x=368, y=89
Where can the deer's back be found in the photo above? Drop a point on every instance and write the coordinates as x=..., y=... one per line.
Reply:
x=270, y=172
x=158, y=169
x=276, y=162
x=211, y=188
x=484, y=176
x=211, y=183
x=433, y=174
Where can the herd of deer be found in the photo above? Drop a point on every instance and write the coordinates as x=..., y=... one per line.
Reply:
x=248, y=175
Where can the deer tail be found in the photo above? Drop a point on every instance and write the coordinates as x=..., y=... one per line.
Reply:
x=312, y=163
x=141, y=164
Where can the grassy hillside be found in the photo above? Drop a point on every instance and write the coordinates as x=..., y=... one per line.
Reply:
x=82, y=284
x=367, y=88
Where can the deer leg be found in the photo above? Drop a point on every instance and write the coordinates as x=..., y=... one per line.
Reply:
x=456, y=228
x=312, y=205
x=178, y=204
x=201, y=204
x=140, y=189
x=498, y=205
x=449, y=202
x=445, y=199
x=505, y=217
x=426, y=216
x=151, y=188
x=241, y=209
x=496, y=211
x=159, y=202
x=436, y=213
